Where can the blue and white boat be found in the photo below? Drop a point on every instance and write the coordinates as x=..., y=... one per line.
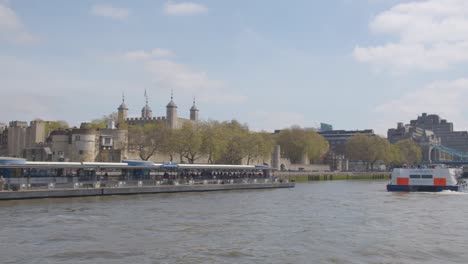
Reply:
x=426, y=180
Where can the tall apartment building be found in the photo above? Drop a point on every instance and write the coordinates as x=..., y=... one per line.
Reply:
x=425, y=138
x=337, y=138
x=444, y=130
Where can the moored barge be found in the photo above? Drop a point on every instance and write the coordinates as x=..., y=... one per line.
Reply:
x=21, y=179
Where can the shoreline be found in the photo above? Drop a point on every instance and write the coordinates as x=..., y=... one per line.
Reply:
x=332, y=176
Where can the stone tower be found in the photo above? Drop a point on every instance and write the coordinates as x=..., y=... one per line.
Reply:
x=276, y=158
x=194, y=112
x=171, y=113
x=146, y=111
x=122, y=113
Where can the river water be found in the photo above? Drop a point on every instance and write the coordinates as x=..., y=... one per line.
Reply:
x=319, y=222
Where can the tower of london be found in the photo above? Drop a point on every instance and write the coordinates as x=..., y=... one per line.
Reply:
x=171, y=119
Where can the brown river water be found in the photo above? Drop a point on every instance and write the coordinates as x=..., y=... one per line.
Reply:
x=319, y=222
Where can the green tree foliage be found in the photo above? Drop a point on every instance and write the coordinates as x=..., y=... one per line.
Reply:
x=171, y=145
x=102, y=122
x=147, y=140
x=213, y=140
x=369, y=149
x=175, y=145
x=191, y=139
x=395, y=158
x=55, y=125
x=236, y=140
x=221, y=142
x=297, y=142
x=410, y=152
x=258, y=146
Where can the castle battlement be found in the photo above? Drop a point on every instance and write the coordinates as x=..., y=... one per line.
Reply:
x=171, y=117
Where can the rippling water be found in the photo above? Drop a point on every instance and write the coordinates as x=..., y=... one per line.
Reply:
x=321, y=222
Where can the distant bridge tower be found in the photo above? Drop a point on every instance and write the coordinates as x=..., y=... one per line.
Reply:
x=429, y=153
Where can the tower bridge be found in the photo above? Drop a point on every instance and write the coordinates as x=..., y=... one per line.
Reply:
x=457, y=157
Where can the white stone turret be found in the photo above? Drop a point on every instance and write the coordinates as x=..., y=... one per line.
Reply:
x=122, y=113
x=146, y=111
x=171, y=113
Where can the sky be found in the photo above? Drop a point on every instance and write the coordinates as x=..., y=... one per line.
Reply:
x=355, y=64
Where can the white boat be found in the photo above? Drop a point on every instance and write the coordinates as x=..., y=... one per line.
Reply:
x=426, y=180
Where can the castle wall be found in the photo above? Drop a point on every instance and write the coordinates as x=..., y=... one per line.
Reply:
x=17, y=138
x=60, y=147
x=145, y=121
x=36, y=133
x=171, y=116
x=83, y=147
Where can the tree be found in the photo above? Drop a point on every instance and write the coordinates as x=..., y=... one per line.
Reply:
x=395, y=158
x=191, y=139
x=369, y=149
x=410, y=152
x=102, y=122
x=258, y=145
x=147, y=140
x=55, y=125
x=169, y=145
x=297, y=142
x=236, y=139
x=213, y=140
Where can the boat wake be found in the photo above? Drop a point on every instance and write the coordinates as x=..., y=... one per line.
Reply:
x=448, y=192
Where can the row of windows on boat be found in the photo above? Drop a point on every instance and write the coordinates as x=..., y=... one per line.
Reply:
x=137, y=172
x=420, y=176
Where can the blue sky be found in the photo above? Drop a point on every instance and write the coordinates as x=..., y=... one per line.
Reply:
x=356, y=64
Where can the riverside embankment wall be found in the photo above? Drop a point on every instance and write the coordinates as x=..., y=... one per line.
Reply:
x=329, y=176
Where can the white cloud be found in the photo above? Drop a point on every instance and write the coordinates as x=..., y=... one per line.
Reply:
x=166, y=73
x=146, y=55
x=12, y=29
x=432, y=35
x=184, y=9
x=110, y=11
x=445, y=98
x=38, y=90
x=185, y=80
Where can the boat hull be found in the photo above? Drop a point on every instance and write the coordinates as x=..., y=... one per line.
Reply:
x=424, y=188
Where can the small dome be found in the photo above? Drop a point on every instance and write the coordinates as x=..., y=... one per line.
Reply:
x=171, y=104
x=123, y=106
x=146, y=108
x=194, y=108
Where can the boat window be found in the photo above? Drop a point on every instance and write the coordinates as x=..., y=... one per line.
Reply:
x=426, y=176
x=415, y=176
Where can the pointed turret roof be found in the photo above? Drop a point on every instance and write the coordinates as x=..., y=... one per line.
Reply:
x=123, y=106
x=146, y=108
x=194, y=107
x=171, y=103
